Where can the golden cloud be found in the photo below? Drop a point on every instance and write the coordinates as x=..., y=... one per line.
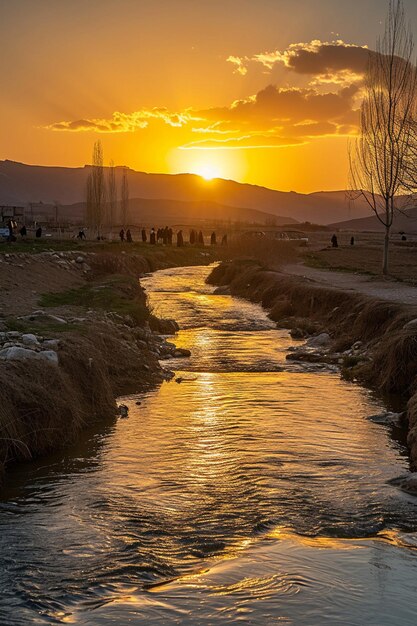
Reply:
x=125, y=122
x=253, y=140
x=334, y=62
x=274, y=117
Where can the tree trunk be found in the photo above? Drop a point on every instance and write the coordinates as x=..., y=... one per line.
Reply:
x=386, y=249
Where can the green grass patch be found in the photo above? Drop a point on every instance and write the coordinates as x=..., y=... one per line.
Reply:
x=118, y=293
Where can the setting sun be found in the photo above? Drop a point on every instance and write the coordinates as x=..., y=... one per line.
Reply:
x=208, y=171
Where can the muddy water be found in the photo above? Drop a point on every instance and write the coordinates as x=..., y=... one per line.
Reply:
x=252, y=492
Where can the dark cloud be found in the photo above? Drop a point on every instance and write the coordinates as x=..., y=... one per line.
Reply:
x=333, y=62
x=273, y=105
x=326, y=58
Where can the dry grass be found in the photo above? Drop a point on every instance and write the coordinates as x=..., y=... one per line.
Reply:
x=44, y=407
x=394, y=367
x=40, y=409
x=365, y=257
x=273, y=252
x=348, y=317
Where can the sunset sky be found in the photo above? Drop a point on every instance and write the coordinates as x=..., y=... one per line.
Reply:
x=261, y=91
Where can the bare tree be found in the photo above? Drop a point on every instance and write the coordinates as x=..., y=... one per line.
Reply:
x=89, y=203
x=124, y=200
x=410, y=179
x=112, y=196
x=96, y=191
x=378, y=162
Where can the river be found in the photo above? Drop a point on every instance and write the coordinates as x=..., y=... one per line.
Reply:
x=249, y=490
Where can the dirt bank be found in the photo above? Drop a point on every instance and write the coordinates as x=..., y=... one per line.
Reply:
x=374, y=340
x=75, y=332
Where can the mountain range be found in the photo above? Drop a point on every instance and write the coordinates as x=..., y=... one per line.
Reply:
x=183, y=196
x=406, y=222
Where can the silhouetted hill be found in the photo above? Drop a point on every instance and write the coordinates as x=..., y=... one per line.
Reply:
x=167, y=212
x=405, y=221
x=20, y=184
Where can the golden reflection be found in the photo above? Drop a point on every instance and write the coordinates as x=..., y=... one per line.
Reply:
x=400, y=540
x=64, y=618
x=330, y=543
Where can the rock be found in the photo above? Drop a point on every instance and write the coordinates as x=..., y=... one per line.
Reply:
x=16, y=352
x=407, y=483
x=79, y=259
x=123, y=410
x=357, y=345
x=58, y=320
x=170, y=346
x=222, y=291
x=13, y=334
x=181, y=352
x=307, y=356
x=167, y=327
x=319, y=340
x=387, y=419
x=48, y=355
x=30, y=339
x=51, y=343
x=410, y=325
x=296, y=333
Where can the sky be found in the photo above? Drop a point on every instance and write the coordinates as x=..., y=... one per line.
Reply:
x=261, y=91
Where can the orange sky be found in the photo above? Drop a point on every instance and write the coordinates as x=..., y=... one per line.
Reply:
x=264, y=92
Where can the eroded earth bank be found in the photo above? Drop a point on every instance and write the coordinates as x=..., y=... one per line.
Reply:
x=371, y=340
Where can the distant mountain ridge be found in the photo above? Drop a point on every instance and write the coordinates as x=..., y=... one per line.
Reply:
x=156, y=212
x=21, y=184
x=405, y=221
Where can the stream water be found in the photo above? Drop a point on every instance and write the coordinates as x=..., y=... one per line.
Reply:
x=254, y=491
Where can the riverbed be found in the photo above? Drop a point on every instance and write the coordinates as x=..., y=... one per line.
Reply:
x=247, y=490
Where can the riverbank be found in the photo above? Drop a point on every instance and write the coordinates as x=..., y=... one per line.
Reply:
x=76, y=331
x=373, y=340
x=185, y=511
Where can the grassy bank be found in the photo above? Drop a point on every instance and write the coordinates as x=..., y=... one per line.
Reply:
x=101, y=332
x=364, y=257
x=387, y=329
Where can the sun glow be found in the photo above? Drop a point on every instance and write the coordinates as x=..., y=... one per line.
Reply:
x=208, y=171
x=209, y=164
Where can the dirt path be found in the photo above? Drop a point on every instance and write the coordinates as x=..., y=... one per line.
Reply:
x=24, y=278
x=391, y=290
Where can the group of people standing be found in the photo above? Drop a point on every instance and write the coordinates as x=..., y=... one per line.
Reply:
x=335, y=243
x=166, y=236
x=125, y=235
x=13, y=226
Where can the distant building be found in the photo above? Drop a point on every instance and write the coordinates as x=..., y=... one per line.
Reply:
x=11, y=212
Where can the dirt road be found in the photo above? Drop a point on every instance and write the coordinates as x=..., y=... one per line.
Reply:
x=388, y=289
